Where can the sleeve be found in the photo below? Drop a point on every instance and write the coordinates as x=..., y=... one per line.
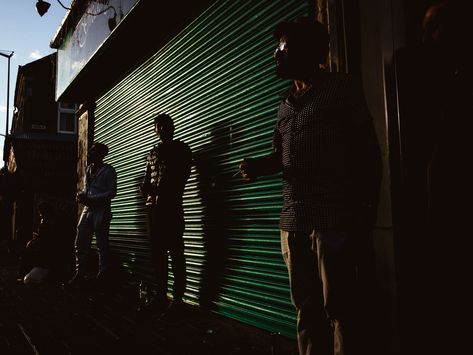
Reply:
x=85, y=180
x=145, y=185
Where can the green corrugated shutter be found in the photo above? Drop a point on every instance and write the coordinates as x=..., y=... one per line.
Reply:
x=216, y=79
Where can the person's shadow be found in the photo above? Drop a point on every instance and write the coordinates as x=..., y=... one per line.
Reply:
x=212, y=184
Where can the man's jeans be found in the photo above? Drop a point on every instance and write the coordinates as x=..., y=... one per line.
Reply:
x=93, y=221
x=165, y=232
x=322, y=269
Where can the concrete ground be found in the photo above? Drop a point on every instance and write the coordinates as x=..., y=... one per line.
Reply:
x=49, y=319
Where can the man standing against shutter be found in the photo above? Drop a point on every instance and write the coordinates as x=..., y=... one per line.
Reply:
x=325, y=145
x=100, y=186
x=168, y=167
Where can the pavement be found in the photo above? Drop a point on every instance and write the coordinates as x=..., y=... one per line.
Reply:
x=49, y=319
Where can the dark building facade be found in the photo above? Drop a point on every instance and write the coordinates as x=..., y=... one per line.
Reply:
x=42, y=150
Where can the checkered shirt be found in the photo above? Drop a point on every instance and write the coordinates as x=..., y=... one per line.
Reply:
x=327, y=149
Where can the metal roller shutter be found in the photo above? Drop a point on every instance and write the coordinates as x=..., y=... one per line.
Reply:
x=216, y=79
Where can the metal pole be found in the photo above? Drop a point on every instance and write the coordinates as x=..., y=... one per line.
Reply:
x=8, y=95
x=8, y=56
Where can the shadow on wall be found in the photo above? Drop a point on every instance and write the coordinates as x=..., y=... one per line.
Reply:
x=213, y=185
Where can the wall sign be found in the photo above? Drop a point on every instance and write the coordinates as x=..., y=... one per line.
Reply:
x=85, y=39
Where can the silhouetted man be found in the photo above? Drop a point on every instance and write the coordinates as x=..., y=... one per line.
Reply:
x=438, y=286
x=168, y=167
x=325, y=146
x=100, y=186
x=41, y=250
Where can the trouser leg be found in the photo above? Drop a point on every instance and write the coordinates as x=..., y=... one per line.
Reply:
x=28, y=260
x=82, y=242
x=313, y=328
x=323, y=281
x=102, y=220
x=178, y=264
x=159, y=254
x=338, y=273
x=160, y=263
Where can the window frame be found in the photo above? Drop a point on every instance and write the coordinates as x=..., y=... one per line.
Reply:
x=67, y=110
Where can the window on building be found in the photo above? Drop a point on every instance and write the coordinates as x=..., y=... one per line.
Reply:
x=28, y=86
x=67, y=118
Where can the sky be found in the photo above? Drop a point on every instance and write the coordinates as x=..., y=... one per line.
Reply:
x=26, y=33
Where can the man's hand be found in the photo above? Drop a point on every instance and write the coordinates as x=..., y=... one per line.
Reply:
x=248, y=168
x=147, y=189
x=81, y=197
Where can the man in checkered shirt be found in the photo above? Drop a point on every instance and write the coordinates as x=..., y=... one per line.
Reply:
x=325, y=145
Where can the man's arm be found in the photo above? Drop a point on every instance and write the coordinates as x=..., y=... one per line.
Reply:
x=251, y=168
x=81, y=195
x=145, y=186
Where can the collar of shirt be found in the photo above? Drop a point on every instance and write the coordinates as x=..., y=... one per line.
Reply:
x=290, y=96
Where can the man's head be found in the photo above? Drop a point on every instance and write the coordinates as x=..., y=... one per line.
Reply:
x=303, y=46
x=164, y=127
x=447, y=31
x=438, y=23
x=96, y=153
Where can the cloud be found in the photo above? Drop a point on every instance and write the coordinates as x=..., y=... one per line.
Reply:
x=3, y=108
x=35, y=55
